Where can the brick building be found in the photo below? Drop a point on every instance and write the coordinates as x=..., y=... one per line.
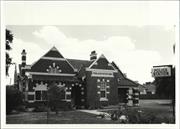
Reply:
x=87, y=83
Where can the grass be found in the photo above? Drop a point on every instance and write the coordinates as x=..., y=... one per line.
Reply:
x=65, y=117
x=151, y=113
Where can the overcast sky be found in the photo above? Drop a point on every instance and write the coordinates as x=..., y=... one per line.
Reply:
x=144, y=40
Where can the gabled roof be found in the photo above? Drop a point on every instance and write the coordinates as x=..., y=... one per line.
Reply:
x=52, y=58
x=101, y=63
x=127, y=82
x=44, y=64
x=141, y=88
x=150, y=87
x=120, y=74
x=54, y=78
x=77, y=64
x=124, y=81
x=53, y=52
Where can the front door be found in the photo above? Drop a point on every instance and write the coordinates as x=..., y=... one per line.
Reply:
x=122, y=95
x=76, y=96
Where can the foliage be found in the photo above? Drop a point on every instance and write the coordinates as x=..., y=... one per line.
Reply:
x=13, y=99
x=55, y=96
x=146, y=117
x=9, y=39
x=40, y=108
x=152, y=96
x=136, y=116
x=165, y=87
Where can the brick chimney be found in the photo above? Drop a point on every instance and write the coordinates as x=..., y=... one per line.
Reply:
x=93, y=56
x=23, y=55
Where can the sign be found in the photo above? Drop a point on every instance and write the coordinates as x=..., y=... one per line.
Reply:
x=102, y=74
x=161, y=71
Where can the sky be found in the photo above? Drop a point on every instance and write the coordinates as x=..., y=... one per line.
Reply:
x=137, y=36
x=134, y=49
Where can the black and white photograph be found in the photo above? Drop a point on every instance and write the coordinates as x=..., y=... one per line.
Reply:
x=78, y=64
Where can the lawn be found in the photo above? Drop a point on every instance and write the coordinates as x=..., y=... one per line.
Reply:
x=151, y=111
x=64, y=117
x=155, y=111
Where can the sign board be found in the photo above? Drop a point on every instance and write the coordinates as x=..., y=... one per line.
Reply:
x=102, y=74
x=161, y=71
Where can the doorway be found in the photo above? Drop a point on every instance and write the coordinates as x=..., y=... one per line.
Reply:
x=122, y=95
x=76, y=96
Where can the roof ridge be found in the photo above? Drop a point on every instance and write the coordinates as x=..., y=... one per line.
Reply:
x=133, y=81
x=79, y=59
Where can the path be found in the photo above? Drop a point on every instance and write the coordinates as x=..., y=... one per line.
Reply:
x=95, y=112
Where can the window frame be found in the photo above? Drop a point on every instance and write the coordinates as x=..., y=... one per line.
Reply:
x=103, y=87
x=41, y=95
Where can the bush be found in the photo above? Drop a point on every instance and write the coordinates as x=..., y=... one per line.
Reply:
x=152, y=96
x=60, y=105
x=14, y=98
x=40, y=108
x=135, y=116
x=21, y=108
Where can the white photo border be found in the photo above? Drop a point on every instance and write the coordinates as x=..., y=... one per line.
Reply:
x=13, y=20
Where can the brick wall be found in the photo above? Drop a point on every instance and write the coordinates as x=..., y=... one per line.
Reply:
x=93, y=98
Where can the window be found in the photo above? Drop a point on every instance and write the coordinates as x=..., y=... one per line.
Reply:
x=103, y=94
x=103, y=85
x=38, y=95
x=41, y=95
x=30, y=97
x=63, y=94
x=44, y=95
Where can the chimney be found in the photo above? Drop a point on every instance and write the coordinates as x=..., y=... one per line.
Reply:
x=23, y=54
x=93, y=56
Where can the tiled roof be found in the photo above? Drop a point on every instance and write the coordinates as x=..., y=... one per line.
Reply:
x=120, y=74
x=54, y=59
x=43, y=64
x=150, y=87
x=141, y=88
x=53, y=52
x=51, y=60
x=127, y=82
x=54, y=78
x=122, y=80
x=77, y=64
x=101, y=63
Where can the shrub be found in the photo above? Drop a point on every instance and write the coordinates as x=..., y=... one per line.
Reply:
x=40, y=108
x=14, y=98
x=145, y=117
x=21, y=108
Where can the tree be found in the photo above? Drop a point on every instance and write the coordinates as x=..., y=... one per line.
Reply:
x=55, y=95
x=9, y=39
x=14, y=98
x=165, y=87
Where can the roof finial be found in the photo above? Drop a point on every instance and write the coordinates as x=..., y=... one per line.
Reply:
x=102, y=56
x=54, y=48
